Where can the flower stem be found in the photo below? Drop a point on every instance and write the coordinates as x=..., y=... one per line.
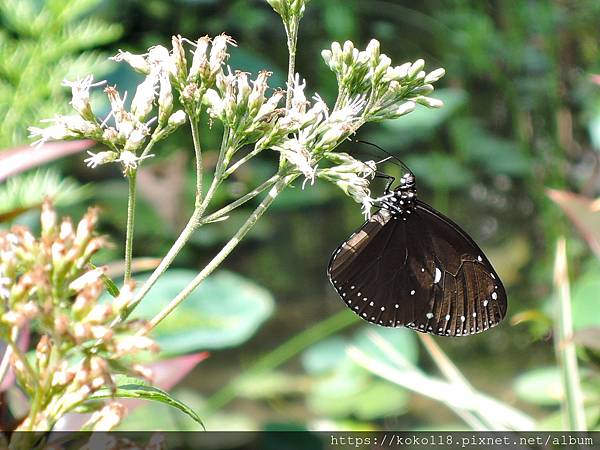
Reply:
x=291, y=30
x=240, y=201
x=198, y=152
x=223, y=253
x=132, y=179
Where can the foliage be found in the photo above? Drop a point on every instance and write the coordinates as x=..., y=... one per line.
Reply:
x=41, y=44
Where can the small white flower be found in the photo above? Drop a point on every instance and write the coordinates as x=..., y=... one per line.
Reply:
x=80, y=90
x=159, y=56
x=55, y=132
x=130, y=160
x=299, y=101
x=97, y=159
x=218, y=52
x=199, y=61
x=165, y=98
x=298, y=155
x=137, y=62
x=142, y=102
x=348, y=113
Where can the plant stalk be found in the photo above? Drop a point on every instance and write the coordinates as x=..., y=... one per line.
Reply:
x=291, y=30
x=132, y=180
x=564, y=345
x=223, y=253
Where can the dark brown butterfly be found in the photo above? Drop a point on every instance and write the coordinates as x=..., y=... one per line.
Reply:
x=409, y=265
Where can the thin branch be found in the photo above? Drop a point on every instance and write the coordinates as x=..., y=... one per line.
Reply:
x=223, y=253
x=132, y=180
x=240, y=201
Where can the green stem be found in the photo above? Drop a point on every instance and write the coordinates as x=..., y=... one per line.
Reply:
x=131, y=178
x=564, y=345
x=223, y=253
x=291, y=31
x=198, y=152
x=240, y=201
x=241, y=161
x=284, y=353
x=189, y=229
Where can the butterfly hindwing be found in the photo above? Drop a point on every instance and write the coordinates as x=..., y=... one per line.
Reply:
x=468, y=295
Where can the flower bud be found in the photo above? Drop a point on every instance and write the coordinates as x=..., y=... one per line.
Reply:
x=142, y=102
x=200, y=60
x=435, y=75
x=137, y=62
x=165, y=100
x=178, y=58
x=48, y=219
x=177, y=119
x=430, y=102
x=415, y=68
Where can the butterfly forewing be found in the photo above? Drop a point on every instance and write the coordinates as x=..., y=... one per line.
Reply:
x=380, y=292
x=424, y=272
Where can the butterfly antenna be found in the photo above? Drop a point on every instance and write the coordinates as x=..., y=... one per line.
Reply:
x=389, y=157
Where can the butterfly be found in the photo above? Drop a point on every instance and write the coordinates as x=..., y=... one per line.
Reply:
x=409, y=265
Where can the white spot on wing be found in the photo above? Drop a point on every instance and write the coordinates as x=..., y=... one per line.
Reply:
x=494, y=295
x=429, y=315
x=438, y=275
x=412, y=292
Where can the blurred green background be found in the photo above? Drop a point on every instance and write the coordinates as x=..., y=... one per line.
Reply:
x=521, y=114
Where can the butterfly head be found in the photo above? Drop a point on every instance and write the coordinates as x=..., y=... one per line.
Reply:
x=407, y=182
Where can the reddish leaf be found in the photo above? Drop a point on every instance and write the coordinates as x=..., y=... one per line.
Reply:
x=169, y=372
x=583, y=212
x=20, y=159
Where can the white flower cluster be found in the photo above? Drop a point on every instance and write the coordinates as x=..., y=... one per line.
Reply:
x=392, y=91
x=150, y=116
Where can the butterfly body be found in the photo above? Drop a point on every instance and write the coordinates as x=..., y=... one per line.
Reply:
x=409, y=265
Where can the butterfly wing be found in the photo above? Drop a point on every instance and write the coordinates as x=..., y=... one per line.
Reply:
x=425, y=273
x=467, y=296
x=373, y=272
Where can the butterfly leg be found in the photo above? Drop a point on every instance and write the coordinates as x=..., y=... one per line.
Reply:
x=390, y=181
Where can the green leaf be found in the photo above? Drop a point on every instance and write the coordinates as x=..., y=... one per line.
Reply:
x=540, y=386
x=420, y=123
x=141, y=390
x=24, y=192
x=495, y=154
x=325, y=356
x=109, y=284
x=440, y=170
x=224, y=311
x=350, y=391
